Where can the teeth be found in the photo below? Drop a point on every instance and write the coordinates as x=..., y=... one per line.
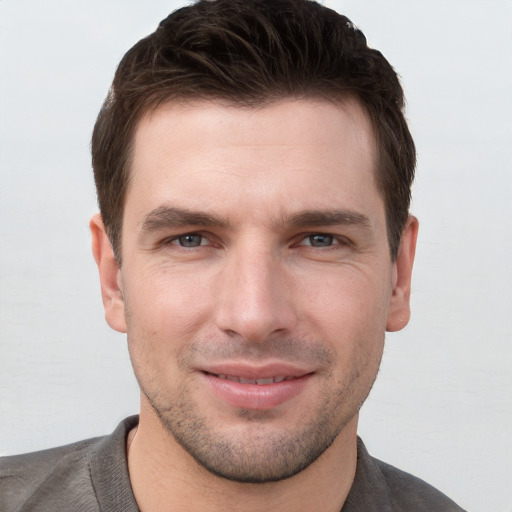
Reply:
x=259, y=382
x=265, y=381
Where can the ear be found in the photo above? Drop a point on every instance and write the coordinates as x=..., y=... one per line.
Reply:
x=110, y=275
x=399, y=310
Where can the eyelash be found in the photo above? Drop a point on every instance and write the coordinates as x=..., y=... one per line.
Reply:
x=335, y=241
x=331, y=239
x=174, y=241
x=188, y=235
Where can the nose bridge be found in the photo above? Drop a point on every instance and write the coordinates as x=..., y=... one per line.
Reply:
x=253, y=300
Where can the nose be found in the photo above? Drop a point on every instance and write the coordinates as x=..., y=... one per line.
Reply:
x=255, y=296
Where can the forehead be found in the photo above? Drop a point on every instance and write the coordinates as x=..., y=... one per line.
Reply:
x=291, y=153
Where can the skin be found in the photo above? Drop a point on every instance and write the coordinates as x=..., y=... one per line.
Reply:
x=253, y=240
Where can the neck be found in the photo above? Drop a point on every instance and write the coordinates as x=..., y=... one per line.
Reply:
x=165, y=478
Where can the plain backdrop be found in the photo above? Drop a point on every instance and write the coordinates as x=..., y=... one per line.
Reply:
x=442, y=404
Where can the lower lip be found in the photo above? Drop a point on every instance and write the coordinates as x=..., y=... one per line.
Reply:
x=255, y=396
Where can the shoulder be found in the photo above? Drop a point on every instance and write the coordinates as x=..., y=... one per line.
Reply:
x=408, y=492
x=87, y=476
x=25, y=479
x=380, y=487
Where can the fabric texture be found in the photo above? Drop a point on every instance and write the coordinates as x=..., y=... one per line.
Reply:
x=92, y=476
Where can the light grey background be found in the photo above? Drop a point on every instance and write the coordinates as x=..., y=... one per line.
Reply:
x=442, y=405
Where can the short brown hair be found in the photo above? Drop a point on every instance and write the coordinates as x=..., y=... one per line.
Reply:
x=252, y=52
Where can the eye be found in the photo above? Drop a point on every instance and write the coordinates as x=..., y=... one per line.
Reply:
x=189, y=240
x=319, y=240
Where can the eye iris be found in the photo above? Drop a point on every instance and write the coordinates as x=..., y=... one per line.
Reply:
x=190, y=240
x=321, y=240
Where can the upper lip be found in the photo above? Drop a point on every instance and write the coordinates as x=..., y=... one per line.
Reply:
x=256, y=371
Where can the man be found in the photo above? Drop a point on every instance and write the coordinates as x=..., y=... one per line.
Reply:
x=253, y=168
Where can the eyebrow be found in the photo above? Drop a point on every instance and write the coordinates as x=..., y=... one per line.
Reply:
x=165, y=217
x=317, y=218
x=172, y=217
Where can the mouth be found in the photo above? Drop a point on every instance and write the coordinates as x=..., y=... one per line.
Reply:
x=259, y=382
x=256, y=389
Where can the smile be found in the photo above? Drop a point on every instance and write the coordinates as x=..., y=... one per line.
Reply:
x=256, y=392
x=259, y=382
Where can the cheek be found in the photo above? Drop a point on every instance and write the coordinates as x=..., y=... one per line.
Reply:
x=165, y=313
x=348, y=300
x=160, y=299
x=350, y=316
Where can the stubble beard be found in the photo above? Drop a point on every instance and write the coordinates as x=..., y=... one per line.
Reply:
x=259, y=454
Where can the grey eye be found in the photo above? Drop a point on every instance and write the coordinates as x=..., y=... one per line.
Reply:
x=190, y=240
x=321, y=240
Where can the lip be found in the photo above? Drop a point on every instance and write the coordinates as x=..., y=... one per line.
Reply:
x=262, y=396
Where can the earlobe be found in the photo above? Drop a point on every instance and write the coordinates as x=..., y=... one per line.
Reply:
x=399, y=310
x=110, y=275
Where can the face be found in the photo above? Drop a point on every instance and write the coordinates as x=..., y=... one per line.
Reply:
x=256, y=283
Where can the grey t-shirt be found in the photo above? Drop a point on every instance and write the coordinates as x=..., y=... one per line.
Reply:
x=92, y=476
